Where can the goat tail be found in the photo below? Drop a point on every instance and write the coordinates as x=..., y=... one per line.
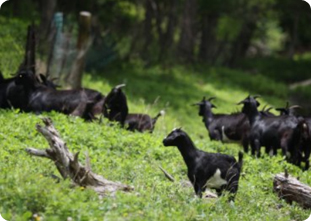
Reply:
x=161, y=113
x=240, y=159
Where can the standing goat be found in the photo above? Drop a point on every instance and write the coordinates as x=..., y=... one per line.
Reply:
x=116, y=109
x=224, y=127
x=206, y=170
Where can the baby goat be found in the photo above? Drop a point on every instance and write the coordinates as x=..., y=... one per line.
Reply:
x=206, y=170
x=116, y=109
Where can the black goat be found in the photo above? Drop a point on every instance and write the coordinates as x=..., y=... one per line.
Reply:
x=49, y=83
x=288, y=110
x=206, y=170
x=302, y=154
x=12, y=95
x=142, y=122
x=224, y=127
x=115, y=105
x=90, y=94
x=42, y=98
x=273, y=132
x=116, y=109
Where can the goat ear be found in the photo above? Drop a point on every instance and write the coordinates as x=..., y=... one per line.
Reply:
x=42, y=77
x=213, y=106
x=241, y=102
x=197, y=104
x=211, y=98
x=257, y=103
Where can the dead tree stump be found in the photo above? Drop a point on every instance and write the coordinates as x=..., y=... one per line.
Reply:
x=290, y=189
x=68, y=165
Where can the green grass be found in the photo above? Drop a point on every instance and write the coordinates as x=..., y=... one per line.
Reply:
x=133, y=158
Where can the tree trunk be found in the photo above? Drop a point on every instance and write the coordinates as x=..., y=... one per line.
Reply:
x=167, y=37
x=68, y=164
x=188, y=31
x=29, y=62
x=47, y=8
x=290, y=189
x=208, y=42
x=241, y=44
x=148, y=37
x=75, y=76
x=294, y=37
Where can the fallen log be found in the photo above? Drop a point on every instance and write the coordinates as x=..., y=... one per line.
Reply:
x=68, y=165
x=290, y=189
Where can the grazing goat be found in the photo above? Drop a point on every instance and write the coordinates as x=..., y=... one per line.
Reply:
x=42, y=98
x=224, y=127
x=206, y=170
x=273, y=132
x=116, y=109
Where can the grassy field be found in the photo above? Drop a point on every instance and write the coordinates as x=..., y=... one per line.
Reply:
x=133, y=158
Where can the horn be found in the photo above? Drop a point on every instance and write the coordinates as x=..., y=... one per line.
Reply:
x=196, y=104
x=256, y=96
x=211, y=98
x=120, y=86
x=270, y=108
x=295, y=107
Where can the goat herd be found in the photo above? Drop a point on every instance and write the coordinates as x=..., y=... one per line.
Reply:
x=31, y=93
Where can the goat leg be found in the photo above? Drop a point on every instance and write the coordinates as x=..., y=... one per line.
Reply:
x=245, y=144
x=257, y=147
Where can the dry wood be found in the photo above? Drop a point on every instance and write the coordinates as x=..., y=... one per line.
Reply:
x=290, y=189
x=68, y=165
